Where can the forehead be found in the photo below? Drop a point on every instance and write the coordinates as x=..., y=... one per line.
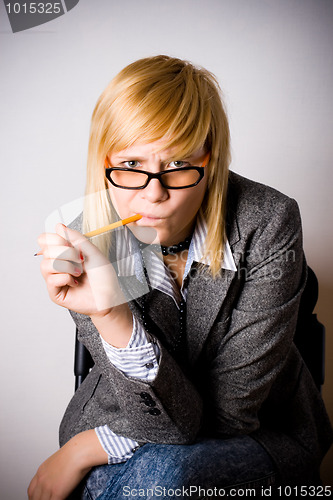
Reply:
x=157, y=150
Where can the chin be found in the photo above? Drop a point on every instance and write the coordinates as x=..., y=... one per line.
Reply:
x=146, y=234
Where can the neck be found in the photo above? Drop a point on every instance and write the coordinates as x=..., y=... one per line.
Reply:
x=176, y=264
x=177, y=247
x=169, y=250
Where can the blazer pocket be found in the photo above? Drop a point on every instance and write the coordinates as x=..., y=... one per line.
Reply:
x=223, y=324
x=91, y=388
x=216, y=336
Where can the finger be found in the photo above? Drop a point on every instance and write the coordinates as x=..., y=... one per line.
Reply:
x=58, y=266
x=32, y=487
x=40, y=494
x=44, y=493
x=70, y=235
x=62, y=253
x=78, y=241
x=49, y=239
x=57, y=282
x=36, y=493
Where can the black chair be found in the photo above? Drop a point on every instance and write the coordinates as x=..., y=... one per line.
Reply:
x=310, y=333
x=309, y=338
x=83, y=362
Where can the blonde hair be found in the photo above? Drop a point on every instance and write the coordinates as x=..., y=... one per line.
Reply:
x=150, y=99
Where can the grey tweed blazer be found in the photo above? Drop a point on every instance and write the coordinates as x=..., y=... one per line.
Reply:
x=242, y=373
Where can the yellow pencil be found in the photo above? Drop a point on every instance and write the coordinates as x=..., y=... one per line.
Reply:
x=109, y=227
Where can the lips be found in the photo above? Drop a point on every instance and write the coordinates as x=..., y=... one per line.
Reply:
x=148, y=219
x=148, y=216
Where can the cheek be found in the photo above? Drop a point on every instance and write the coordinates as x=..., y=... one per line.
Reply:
x=120, y=200
x=192, y=200
x=186, y=206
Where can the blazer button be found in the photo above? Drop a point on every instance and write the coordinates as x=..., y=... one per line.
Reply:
x=145, y=395
x=149, y=403
x=154, y=411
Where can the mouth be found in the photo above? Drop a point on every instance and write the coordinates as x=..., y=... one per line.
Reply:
x=148, y=219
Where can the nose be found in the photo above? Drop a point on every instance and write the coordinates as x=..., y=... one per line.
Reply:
x=155, y=192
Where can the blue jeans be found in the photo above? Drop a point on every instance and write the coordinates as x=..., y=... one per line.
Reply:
x=181, y=471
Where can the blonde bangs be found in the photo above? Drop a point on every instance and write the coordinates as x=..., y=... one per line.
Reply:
x=147, y=111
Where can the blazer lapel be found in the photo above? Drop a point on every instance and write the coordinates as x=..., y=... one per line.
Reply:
x=204, y=301
x=207, y=296
x=161, y=308
x=132, y=288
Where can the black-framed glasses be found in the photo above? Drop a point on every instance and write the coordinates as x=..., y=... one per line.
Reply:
x=176, y=178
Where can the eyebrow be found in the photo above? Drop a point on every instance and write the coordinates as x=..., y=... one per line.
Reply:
x=130, y=157
x=138, y=158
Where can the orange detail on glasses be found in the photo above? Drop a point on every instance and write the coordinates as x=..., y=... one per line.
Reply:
x=206, y=160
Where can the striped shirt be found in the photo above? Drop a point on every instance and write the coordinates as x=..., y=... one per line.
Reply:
x=140, y=358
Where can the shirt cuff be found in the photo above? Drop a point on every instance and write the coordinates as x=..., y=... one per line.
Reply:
x=139, y=359
x=118, y=448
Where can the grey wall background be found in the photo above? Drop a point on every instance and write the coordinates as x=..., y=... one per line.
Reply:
x=274, y=62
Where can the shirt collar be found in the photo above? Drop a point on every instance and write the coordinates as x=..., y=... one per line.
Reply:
x=196, y=250
x=129, y=259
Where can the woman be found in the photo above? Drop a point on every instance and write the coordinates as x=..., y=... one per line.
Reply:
x=196, y=382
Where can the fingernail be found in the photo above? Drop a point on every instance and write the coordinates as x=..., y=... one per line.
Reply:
x=77, y=270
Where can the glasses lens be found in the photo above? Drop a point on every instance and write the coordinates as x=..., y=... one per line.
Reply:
x=134, y=179
x=128, y=179
x=181, y=178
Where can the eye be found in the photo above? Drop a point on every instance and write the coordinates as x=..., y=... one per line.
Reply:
x=177, y=164
x=131, y=163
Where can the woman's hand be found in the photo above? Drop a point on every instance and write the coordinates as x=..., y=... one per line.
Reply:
x=78, y=276
x=63, y=471
x=57, y=477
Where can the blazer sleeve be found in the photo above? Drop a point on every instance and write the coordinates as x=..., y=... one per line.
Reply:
x=166, y=410
x=257, y=337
